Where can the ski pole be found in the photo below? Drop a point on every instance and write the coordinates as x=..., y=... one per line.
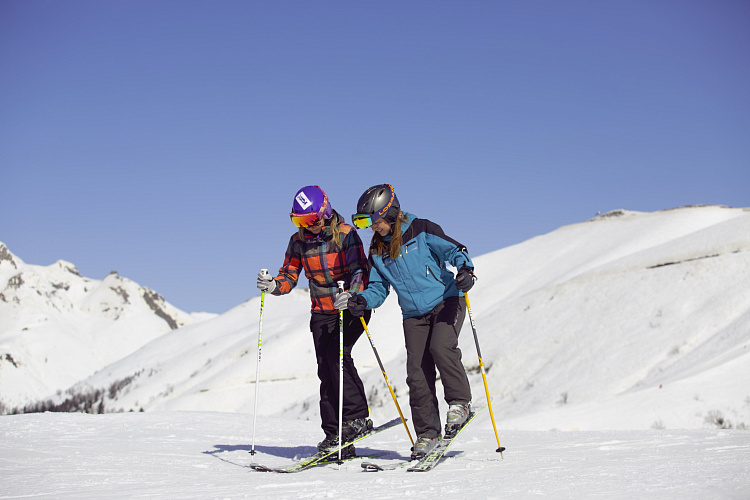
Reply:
x=382, y=369
x=257, y=366
x=500, y=449
x=341, y=375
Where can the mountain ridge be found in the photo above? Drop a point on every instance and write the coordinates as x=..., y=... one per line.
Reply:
x=59, y=327
x=634, y=307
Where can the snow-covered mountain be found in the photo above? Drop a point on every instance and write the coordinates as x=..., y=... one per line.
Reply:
x=58, y=327
x=627, y=321
x=632, y=327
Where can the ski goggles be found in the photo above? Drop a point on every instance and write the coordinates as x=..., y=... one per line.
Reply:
x=362, y=221
x=309, y=219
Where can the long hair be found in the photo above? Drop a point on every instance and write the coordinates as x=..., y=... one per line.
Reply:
x=378, y=245
x=334, y=225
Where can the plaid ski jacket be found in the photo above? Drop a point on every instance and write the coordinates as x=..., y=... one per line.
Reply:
x=324, y=263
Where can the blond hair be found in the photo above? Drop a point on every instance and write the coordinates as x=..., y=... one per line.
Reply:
x=335, y=232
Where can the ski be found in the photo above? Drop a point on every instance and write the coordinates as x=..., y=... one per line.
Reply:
x=433, y=458
x=326, y=457
x=335, y=459
x=372, y=466
x=420, y=466
x=325, y=461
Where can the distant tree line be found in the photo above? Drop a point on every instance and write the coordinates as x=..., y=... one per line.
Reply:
x=82, y=402
x=90, y=401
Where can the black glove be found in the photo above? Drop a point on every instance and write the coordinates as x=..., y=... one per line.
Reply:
x=465, y=279
x=357, y=305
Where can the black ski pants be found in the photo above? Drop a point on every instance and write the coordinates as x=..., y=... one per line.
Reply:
x=432, y=342
x=325, y=332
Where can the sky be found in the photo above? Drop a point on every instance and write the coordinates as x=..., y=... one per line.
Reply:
x=166, y=139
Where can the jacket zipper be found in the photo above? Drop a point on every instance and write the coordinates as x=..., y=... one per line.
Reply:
x=427, y=267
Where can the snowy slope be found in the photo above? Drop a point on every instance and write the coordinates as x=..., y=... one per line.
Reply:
x=58, y=327
x=642, y=319
x=637, y=307
x=204, y=455
x=631, y=328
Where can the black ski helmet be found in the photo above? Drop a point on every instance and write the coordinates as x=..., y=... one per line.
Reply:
x=378, y=201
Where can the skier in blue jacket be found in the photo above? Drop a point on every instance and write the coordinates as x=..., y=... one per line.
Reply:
x=409, y=254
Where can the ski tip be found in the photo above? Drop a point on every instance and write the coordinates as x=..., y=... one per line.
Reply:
x=260, y=468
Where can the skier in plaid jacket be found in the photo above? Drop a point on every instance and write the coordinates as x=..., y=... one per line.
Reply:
x=328, y=250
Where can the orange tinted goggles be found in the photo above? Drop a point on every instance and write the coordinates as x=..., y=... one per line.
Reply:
x=309, y=219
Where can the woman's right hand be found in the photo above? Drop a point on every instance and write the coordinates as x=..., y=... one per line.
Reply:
x=265, y=282
x=342, y=299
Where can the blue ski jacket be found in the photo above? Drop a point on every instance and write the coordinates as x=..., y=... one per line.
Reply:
x=418, y=274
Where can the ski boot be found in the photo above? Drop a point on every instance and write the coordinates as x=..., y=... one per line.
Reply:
x=423, y=446
x=457, y=416
x=353, y=429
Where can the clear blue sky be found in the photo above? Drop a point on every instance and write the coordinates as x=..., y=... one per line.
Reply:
x=166, y=139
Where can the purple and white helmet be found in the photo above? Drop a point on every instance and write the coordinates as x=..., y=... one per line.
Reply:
x=310, y=205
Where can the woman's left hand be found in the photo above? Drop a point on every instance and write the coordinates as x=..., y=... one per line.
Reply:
x=465, y=279
x=357, y=305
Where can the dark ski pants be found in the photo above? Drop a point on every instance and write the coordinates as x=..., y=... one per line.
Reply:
x=432, y=341
x=325, y=332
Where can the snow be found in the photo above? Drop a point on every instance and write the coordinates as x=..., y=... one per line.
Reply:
x=204, y=455
x=616, y=350
x=60, y=327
